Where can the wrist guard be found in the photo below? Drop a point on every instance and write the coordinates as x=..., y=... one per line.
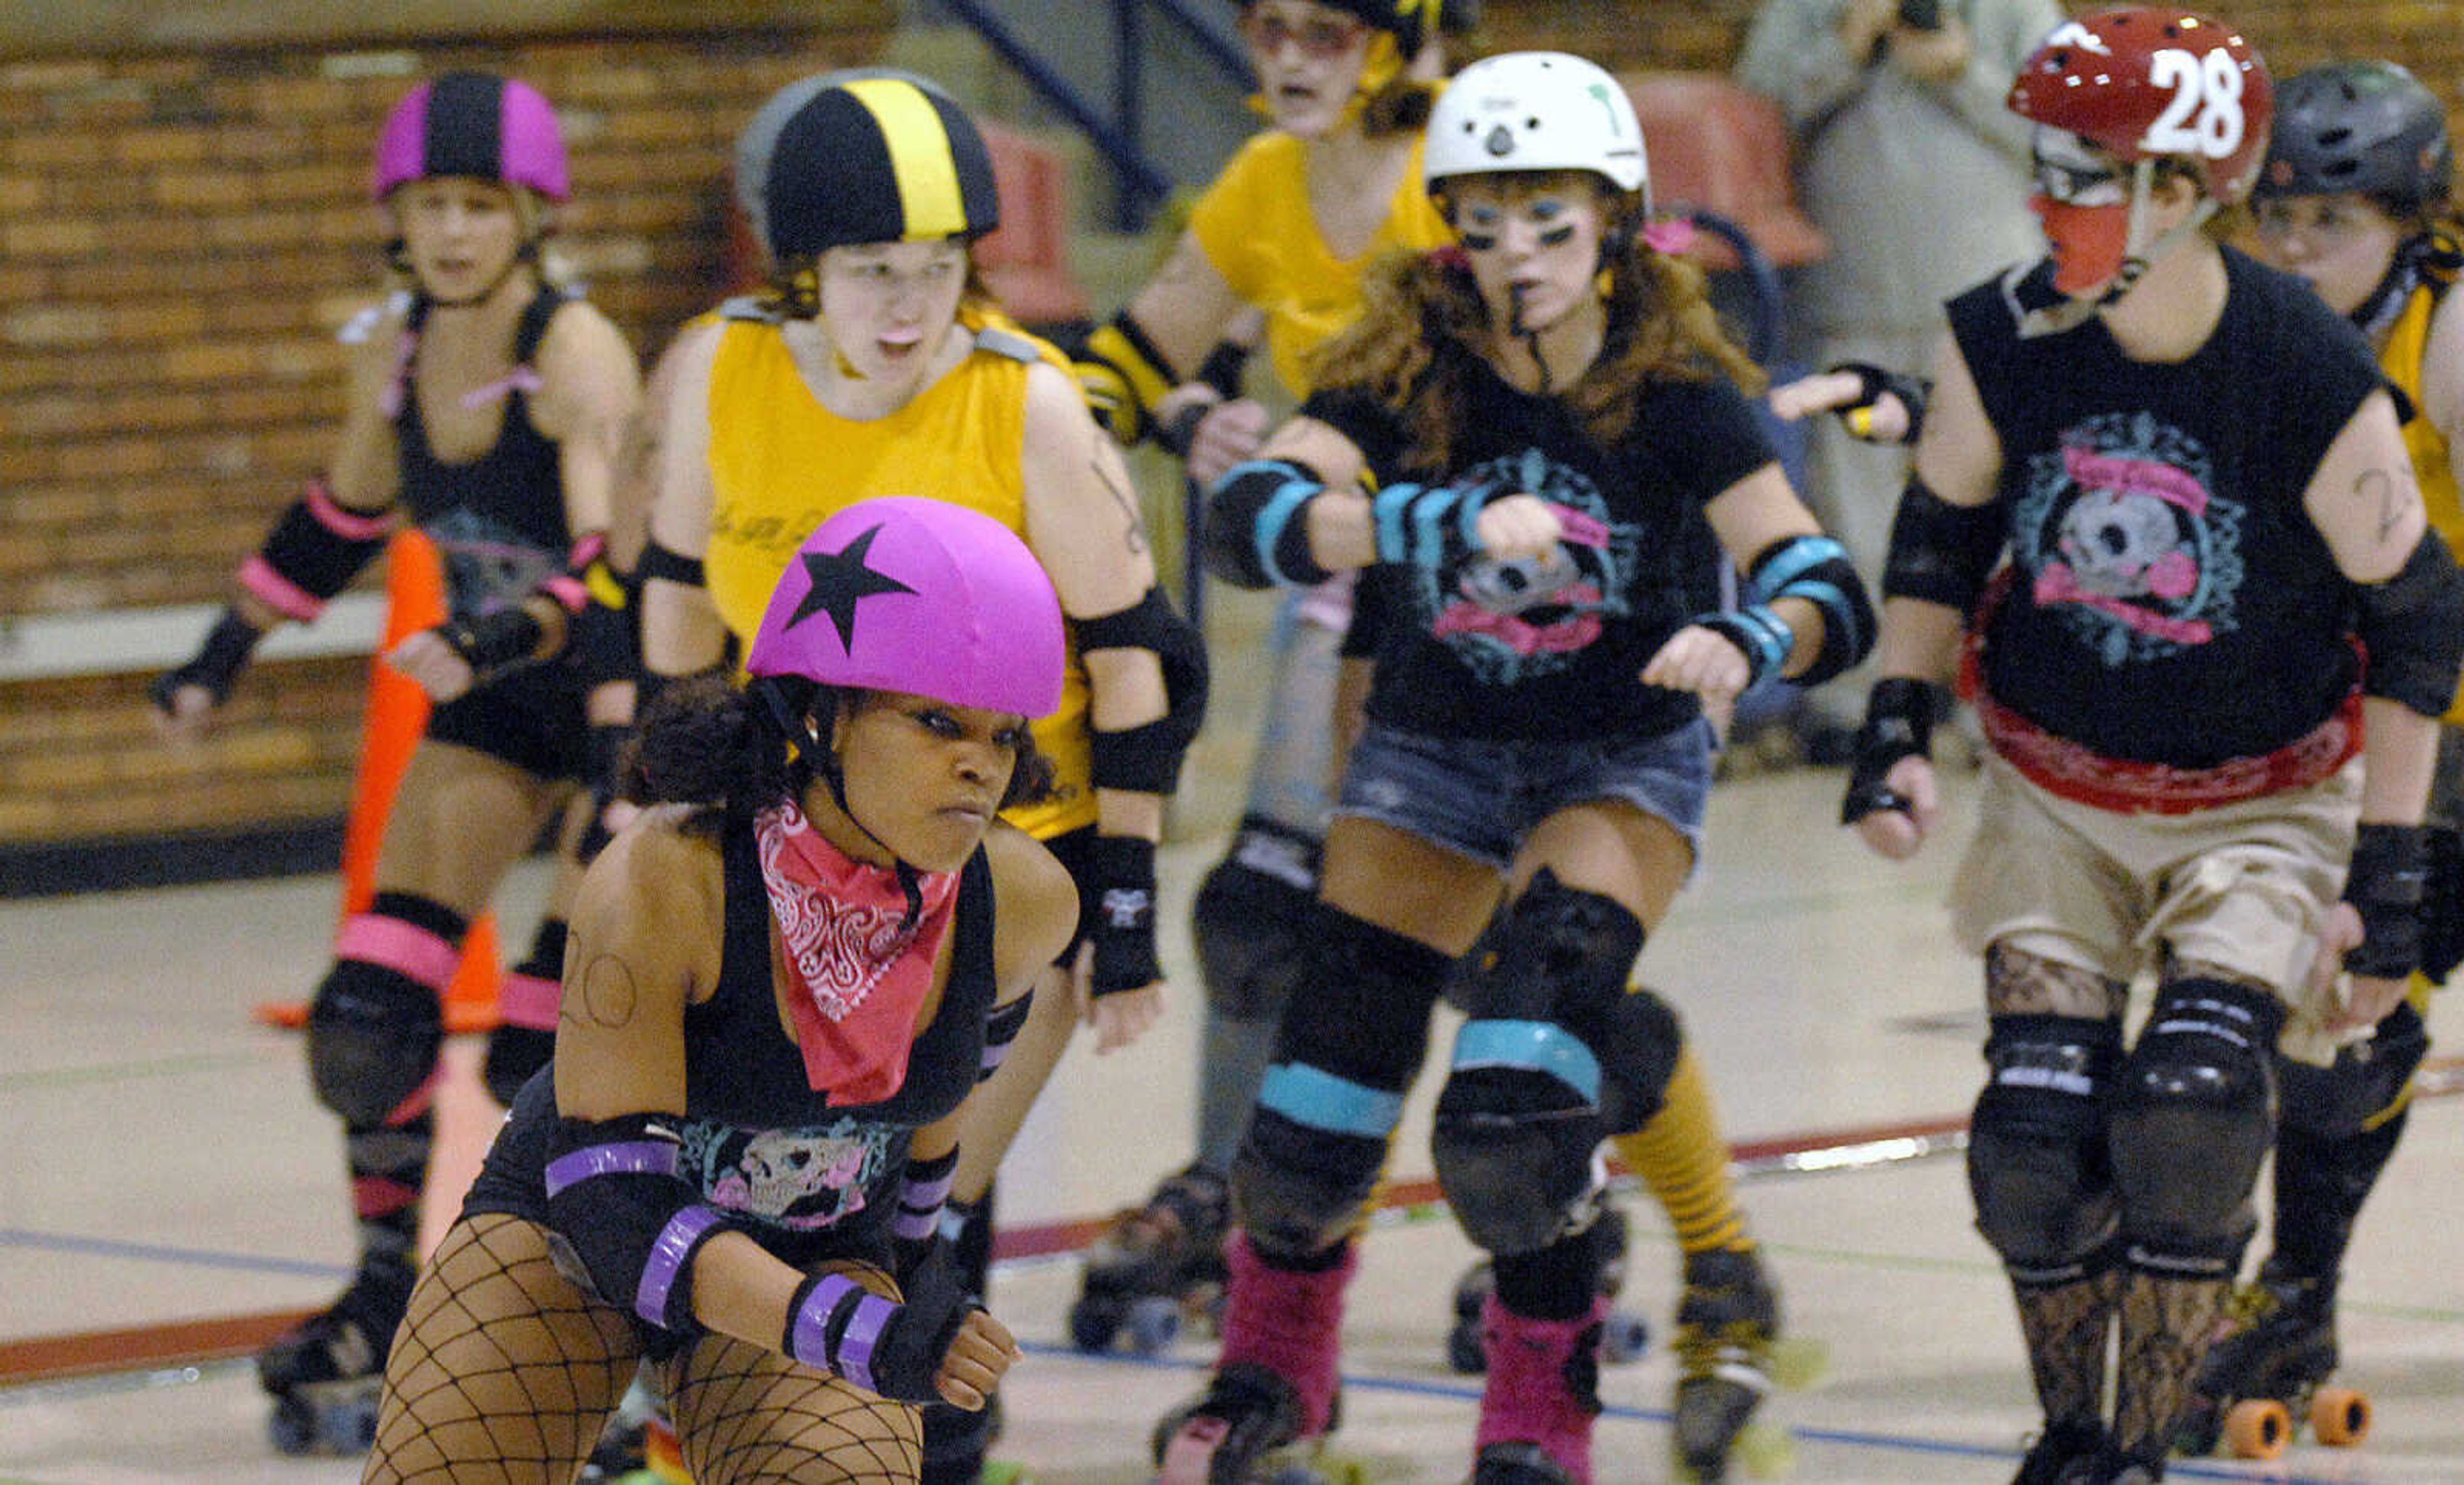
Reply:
x=1899, y=723
x=215, y=665
x=489, y=642
x=887, y=1348
x=2390, y=867
x=1759, y=633
x=1873, y=382
x=1257, y=525
x=1123, y=882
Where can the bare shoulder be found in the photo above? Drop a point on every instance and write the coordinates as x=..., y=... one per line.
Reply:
x=1037, y=902
x=657, y=883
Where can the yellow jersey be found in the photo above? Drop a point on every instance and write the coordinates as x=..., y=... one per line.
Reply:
x=781, y=463
x=1256, y=227
x=2432, y=464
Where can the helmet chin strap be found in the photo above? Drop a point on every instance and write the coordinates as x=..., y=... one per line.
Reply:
x=2140, y=252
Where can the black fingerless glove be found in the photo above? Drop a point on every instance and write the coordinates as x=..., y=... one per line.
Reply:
x=1122, y=879
x=886, y=1347
x=2390, y=867
x=1873, y=382
x=215, y=665
x=492, y=641
x=1899, y=723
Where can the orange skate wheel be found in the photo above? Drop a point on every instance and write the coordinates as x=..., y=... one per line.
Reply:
x=2260, y=1428
x=2340, y=1416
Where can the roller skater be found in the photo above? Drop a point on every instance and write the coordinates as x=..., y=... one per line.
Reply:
x=2192, y=774
x=1533, y=766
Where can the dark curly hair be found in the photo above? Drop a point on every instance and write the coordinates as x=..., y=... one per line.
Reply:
x=704, y=742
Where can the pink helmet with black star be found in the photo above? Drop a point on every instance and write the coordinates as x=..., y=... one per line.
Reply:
x=903, y=593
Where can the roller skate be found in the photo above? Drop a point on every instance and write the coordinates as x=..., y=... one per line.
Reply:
x=1543, y=1392
x=2265, y=1375
x=1267, y=1414
x=1729, y=1357
x=325, y=1373
x=1156, y=1267
x=1624, y=1336
x=2058, y=1454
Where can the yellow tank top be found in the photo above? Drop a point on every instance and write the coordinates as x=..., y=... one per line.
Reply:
x=2431, y=463
x=780, y=464
x=1255, y=225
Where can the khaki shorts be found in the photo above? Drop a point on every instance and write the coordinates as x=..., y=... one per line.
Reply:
x=2242, y=887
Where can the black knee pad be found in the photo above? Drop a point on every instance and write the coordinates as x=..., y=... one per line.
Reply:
x=2442, y=905
x=2192, y=1117
x=2037, y=1164
x=373, y=1038
x=1327, y=1108
x=1249, y=921
x=2366, y=1082
x=1519, y=1123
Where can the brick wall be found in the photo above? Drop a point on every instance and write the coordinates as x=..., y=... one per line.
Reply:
x=181, y=231
x=180, y=237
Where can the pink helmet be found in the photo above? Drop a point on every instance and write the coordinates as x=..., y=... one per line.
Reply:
x=472, y=124
x=910, y=594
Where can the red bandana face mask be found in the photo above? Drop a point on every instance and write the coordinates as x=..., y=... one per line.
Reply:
x=859, y=965
x=2089, y=243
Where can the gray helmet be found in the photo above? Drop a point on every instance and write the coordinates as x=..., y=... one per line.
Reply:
x=2366, y=127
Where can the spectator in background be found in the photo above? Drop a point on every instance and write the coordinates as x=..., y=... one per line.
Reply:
x=1908, y=162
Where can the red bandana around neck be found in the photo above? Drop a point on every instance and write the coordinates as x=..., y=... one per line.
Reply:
x=859, y=966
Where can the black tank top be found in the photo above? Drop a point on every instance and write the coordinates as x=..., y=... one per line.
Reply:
x=757, y=1139
x=2171, y=601
x=497, y=520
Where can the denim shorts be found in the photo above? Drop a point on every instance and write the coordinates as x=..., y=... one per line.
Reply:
x=1484, y=796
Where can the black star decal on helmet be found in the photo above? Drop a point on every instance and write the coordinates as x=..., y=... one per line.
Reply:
x=840, y=581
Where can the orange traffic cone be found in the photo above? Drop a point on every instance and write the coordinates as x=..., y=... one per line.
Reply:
x=397, y=714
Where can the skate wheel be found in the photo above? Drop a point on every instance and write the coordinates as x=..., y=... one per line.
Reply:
x=348, y=1428
x=1625, y=1338
x=2340, y=1416
x=2260, y=1428
x=1093, y=1322
x=1472, y=1290
x=1154, y=1325
x=292, y=1429
x=1799, y=1363
x=1463, y=1351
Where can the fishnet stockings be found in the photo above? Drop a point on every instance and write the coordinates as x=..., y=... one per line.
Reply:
x=506, y=1371
x=2068, y=1328
x=2166, y=1324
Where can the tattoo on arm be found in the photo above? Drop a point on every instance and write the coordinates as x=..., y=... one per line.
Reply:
x=607, y=996
x=2385, y=494
x=1107, y=474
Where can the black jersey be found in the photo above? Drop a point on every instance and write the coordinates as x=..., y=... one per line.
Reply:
x=1549, y=651
x=758, y=1142
x=497, y=520
x=2169, y=599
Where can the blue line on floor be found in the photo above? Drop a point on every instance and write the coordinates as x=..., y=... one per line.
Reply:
x=157, y=1253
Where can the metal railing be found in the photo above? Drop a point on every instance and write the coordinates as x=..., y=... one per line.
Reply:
x=1118, y=133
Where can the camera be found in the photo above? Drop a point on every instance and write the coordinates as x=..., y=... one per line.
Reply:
x=1921, y=14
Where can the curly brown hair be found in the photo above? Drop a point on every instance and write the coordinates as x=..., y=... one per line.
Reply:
x=1423, y=330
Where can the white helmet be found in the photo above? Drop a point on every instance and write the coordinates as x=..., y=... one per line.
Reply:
x=1530, y=111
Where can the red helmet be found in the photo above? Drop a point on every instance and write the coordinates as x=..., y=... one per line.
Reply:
x=2146, y=84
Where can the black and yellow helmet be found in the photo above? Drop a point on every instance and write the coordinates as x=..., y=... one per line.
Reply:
x=1411, y=22
x=863, y=155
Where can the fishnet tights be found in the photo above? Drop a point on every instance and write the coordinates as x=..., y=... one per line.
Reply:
x=2068, y=1329
x=2166, y=1324
x=506, y=1371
